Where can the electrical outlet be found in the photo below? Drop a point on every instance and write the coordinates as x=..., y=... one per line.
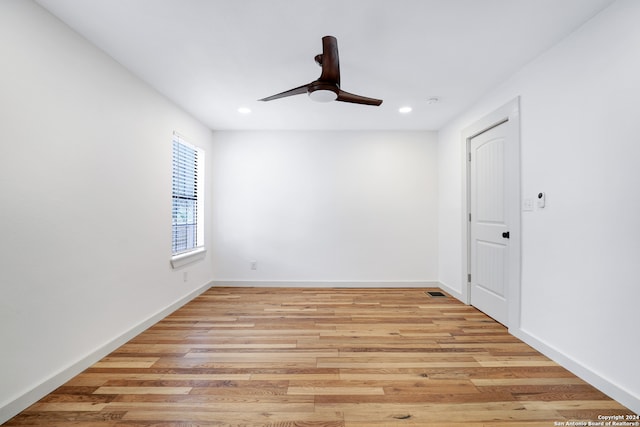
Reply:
x=254, y=265
x=527, y=205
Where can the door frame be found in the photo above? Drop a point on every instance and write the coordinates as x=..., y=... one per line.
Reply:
x=510, y=112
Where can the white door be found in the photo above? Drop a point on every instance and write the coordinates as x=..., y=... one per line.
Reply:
x=490, y=202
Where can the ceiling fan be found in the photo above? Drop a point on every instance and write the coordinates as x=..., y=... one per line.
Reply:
x=327, y=87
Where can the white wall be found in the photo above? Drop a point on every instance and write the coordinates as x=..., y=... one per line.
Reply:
x=85, y=218
x=325, y=206
x=579, y=133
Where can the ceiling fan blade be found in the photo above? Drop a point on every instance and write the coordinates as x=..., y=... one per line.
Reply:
x=357, y=99
x=330, y=62
x=296, y=91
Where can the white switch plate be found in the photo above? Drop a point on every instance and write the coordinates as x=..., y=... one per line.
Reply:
x=527, y=205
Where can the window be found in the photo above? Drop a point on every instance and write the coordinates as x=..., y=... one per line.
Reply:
x=187, y=234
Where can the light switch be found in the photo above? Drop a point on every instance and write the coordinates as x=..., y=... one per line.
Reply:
x=527, y=205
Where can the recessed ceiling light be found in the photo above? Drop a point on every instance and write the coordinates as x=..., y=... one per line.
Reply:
x=404, y=110
x=244, y=110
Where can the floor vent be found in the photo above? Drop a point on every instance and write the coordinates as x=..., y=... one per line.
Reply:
x=435, y=294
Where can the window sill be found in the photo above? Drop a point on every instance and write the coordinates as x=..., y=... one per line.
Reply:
x=183, y=259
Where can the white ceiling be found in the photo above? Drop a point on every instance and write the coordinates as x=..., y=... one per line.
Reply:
x=212, y=56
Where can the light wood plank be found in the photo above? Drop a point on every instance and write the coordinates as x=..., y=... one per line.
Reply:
x=344, y=390
x=143, y=390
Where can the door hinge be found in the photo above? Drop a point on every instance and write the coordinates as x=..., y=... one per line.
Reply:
x=469, y=277
x=469, y=216
x=469, y=156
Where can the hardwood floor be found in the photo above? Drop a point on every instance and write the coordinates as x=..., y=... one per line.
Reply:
x=322, y=357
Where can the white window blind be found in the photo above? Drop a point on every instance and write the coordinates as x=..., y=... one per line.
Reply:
x=186, y=228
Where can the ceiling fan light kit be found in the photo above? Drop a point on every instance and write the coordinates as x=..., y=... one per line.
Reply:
x=323, y=92
x=327, y=87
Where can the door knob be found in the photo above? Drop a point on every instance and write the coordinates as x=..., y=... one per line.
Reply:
x=505, y=234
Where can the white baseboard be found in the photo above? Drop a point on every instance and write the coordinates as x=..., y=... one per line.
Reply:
x=325, y=284
x=609, y=388
x=19, y=404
